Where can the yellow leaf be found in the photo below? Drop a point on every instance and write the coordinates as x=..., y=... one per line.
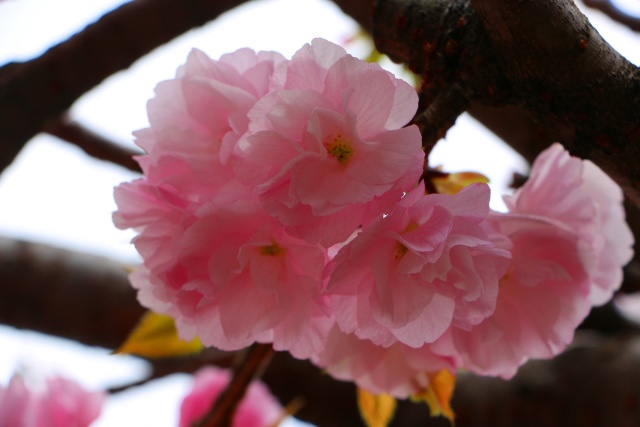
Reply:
x=290, y=410
x=453, y=182
x=376, y=410
x=438, y=394
x=374, y=56
x=156, y=336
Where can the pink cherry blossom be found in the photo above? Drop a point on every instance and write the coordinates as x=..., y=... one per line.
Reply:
x=258, y=408
x=16, y=402
x=59, y=403
x=212, y=258
x=581, y=196
x=427, y=266
x=399, y=370
x=540, y=304
x=232, y=276
x=196, y=119
x=326, y=153
x=569, y=243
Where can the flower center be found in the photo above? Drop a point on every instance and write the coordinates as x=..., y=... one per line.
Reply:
x=271, y=250
x=338, y=147
x=412, y=226
x=400, y=251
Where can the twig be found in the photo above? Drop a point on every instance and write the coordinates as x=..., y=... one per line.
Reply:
x=93, y=144
x=41, y=90
x=614, y=12
x=188, y=364
x=221, y=414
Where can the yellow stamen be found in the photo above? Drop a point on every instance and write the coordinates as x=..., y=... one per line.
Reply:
x=271, y=250
x=338, y=147
x=400, y=251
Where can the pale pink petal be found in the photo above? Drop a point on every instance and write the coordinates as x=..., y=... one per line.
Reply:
x=371, y=93
x=17, y=402
x=405, y=104
x=397, y=370
x=417, y=272
x=541, y=301
x=584, y=199
x=328, y=151
x=309, y=65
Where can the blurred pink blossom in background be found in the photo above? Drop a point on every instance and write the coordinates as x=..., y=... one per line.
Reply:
x=56, y=403
x=258, y=408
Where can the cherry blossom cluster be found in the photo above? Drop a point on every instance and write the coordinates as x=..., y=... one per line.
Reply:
x=281, y=204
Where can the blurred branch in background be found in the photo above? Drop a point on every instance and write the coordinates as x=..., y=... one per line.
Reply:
x=70, y=294
x=93, y=143
x=614, y=12
x=39, y=91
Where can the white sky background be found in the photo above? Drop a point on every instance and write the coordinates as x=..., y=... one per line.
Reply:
x=56, y=194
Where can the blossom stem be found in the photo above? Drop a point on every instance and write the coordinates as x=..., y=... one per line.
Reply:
x=222, y=411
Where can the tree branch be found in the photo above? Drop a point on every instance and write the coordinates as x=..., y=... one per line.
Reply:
x=541, y=54
x=78, y=296
x=610, y=9
x=93, y=144
x=360, y=10
x=41, y=90
x=440, y=115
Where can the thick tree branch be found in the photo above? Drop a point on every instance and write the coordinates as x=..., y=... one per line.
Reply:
x=78, y=296
x=41, y=90
x=541, y=54
x=359, y=10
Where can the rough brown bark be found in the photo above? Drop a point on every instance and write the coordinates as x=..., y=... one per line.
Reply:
x=36, y=92
x=541, y=54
